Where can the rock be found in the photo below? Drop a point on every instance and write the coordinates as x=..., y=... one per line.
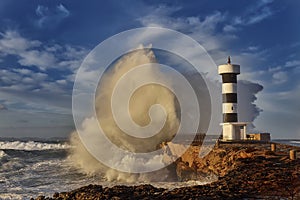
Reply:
x=56, y=194
x=40, y=198
x=244, y=154
x=269, y=153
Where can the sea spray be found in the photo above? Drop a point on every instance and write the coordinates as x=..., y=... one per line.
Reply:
x=140, y=103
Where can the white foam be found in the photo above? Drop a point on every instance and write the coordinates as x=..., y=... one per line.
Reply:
x=296, y=142
x=2, y=154
x=10, y=196
x=46, y=163
x=31, y=145
x=173, y=185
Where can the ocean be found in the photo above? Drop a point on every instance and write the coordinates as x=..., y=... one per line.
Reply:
x=33, y=167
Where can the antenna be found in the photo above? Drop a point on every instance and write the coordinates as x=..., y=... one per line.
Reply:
x=229, y=61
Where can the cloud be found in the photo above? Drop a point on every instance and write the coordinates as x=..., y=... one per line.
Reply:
x=253, y=48
x=202, y=29
x=28, y=89
x=264, y=13
x=22, y=71
x=280, y=116
x=212, y=32
x=35, y=91
x=229, y=28
x=247, y=95
x=161, y=17
x=41, y=59
x=12, y=43
x=45, y=78
x=15, y=77
x=50, y=17
x=292, y=63
x=280, y=77
x=274, y=69
x=255, y=13
x=33, y=53
x=71, y=57
x=24, y=123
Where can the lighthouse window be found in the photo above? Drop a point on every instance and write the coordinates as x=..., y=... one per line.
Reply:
x=231, y=107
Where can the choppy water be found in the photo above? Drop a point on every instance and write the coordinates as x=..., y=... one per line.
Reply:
x=29, y=168
x=32, y=168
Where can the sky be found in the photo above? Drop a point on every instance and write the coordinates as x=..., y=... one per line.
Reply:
x=43, y=42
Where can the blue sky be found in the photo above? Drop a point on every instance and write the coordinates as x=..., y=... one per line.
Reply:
x=42, y=44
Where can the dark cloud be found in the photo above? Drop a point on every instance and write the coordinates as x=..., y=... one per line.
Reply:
x=248, y=110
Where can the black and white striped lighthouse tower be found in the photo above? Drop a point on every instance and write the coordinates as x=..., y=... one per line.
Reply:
x=231, y=127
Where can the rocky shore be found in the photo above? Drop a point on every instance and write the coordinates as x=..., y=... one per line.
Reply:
x=245, y=171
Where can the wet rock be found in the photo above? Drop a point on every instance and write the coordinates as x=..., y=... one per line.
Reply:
x=55, y=195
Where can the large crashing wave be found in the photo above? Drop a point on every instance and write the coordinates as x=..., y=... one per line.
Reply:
x=140, y=103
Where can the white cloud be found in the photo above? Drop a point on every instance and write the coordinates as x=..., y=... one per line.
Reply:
x=19, y=78
x=41, y=59
x=247, y=96
x=62, y=82
x=254, y=14
x=72, y=57
x=253, y=48
x=274, y=69
x=292, y=63
x=12, y=43
x=206, y=30
x=50, y=17
x=264, y=13
x=34, y=53
x=229, y=28
x=280, y=77
x=201, y=29
x=211, y=21
x=22, y=71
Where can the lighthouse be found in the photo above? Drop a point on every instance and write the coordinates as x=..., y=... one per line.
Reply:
x=232, y=129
